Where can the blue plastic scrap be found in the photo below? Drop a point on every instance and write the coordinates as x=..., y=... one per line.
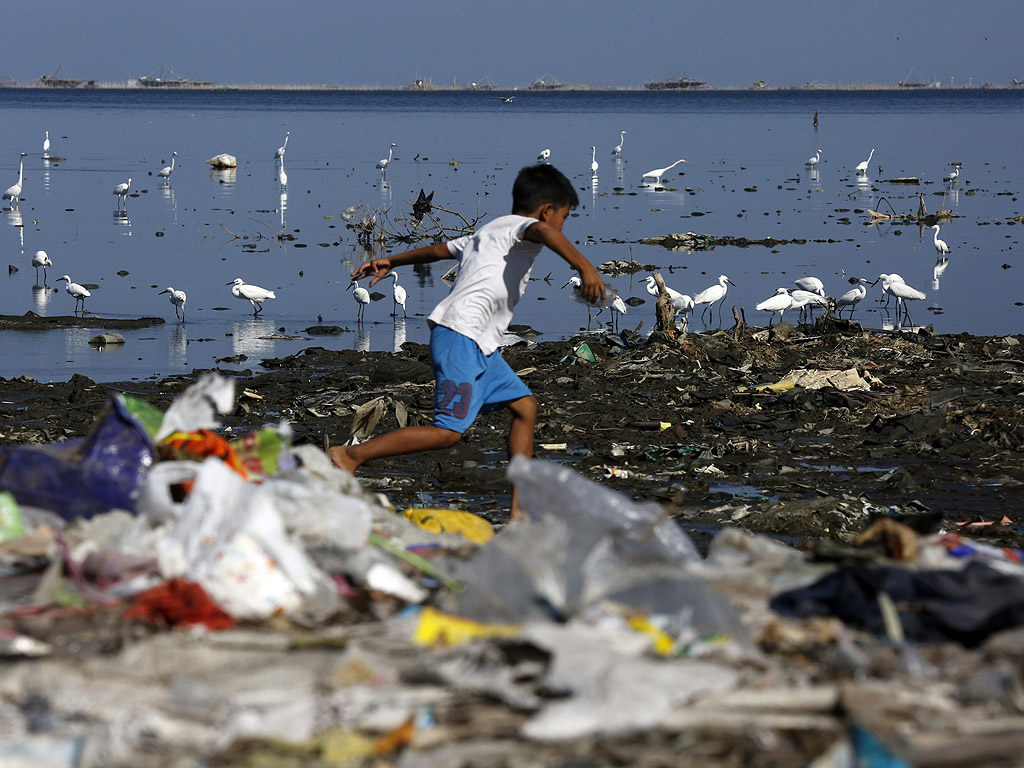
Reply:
x=83, y=477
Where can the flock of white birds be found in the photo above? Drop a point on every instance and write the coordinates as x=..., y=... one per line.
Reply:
x=808, y=295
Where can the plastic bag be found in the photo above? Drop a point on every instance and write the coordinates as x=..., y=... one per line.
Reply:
x=84, y=477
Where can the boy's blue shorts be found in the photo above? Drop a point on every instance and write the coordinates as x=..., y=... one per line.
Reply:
x=468, y=382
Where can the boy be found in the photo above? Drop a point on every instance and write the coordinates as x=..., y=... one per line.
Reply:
x=466, y=327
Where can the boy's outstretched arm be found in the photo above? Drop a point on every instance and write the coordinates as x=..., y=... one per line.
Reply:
x=379, y=268
x=592, y=288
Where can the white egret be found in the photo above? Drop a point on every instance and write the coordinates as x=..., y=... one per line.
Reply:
x=617, y=149
x=951, y=177
x=653, y=178
x=812, y=284
x=280, y=150
x=779, y=303
x=941, y=249
x=854, y=296
x=883, y=278
x=544, y=155
x=715, y=293
x=46, y=143
x=577, y=285
x=282, y=175
x=862, y=168
x=813, y=161
x=177, y=298
x=808, y=300
x=79, y=292
x=593, y=159
x=384, y=162
x=167, y=170
x=903, y=293
x=41, y=260
x=362, y=298
x=121, y=190
x=399, y=294
x=255, y=295
x=618, y=307
x=13, y=192
x=681, y=302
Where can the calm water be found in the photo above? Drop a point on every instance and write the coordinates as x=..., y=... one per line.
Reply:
x=745, y=176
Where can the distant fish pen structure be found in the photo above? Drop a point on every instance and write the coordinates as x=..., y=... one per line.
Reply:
x=676, y=84
x=547, y=82
x=47, y=81
x=183, y=82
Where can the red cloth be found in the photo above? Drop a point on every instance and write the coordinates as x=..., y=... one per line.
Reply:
x=179, y=602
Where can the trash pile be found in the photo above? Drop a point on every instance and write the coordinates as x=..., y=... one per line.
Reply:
x=173, y=597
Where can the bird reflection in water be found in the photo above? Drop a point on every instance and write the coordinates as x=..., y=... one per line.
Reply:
x=398, y=337
x=121, y=219
x=941, y=262
x=41, y=298
x=225, y=177
x=362, y=338
x=251, y=337
x=282, y=205
x=178, y=349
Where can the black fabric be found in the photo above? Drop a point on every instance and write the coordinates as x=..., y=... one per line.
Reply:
x=965, y=606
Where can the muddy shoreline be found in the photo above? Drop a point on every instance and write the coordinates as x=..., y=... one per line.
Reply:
x=688, y=423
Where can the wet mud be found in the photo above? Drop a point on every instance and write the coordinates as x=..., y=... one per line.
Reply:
x=705, y=424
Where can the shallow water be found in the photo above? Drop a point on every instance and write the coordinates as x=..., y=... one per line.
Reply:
x=745, y=176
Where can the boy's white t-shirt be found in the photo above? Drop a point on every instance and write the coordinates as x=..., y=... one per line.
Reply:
x=494, y=267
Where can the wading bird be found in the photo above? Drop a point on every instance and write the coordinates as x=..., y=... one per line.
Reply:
x=46, y=144
x=941, y=249
x=79, y=293
x=121, y=190
x=777, y=304
x=617, y=149
x=653, y=178
x=167, y=170
x=854, y=296
x=41, y=260
x=362, y=298
x=593, y=159
x=544, y=155
x=282, y=175
x=812, y=284
x=952, y=177
x=715, y=293
x=384, y=162
x=903, y=294
x=862, y=168
x=177, y=298
x=280, y=150
x=808, y=300
x=681, y=302
x=399, y=295
x=893, y=277
x=813, y=161
x=255, y=295
x=13, y=192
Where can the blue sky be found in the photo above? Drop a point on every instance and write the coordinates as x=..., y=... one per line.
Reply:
x=389, y=43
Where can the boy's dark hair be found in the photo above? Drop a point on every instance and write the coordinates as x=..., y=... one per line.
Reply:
x=538, y=185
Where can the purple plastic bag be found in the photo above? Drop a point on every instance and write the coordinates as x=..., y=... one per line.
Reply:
x=83, y=477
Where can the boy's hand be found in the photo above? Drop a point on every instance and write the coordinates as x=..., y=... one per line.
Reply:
x=592, y=289
x=379, y=268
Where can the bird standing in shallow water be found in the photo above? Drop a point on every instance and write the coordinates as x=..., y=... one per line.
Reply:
x=167, y=170
x=384, y=162
x=653, y=178
x=715, y=293
x=177, y=298
x=46, y=144
x=893, y=284
x=121, y=190
x=41, y=260
x=255, y=295
x=362, y=298
x=813, y=161
x=862, y=168
x=778, y=303
x=593, y=159
x=79, y=292
x=617, y=149
x=399, y=294
x=853, y=296
x=280, y=150
x=941, y=249
x=13, y=192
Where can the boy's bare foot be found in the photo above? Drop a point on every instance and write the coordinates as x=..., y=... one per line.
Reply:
x=341, y=459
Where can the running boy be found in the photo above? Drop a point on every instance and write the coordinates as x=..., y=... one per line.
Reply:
x=466, y=328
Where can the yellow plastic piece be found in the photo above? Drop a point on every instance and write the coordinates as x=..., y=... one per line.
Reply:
x=778, y=386
x=458, y=521
x=436, y=628
x=663, y=642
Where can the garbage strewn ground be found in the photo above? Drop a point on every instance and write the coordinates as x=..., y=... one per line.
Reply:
x=792, y=547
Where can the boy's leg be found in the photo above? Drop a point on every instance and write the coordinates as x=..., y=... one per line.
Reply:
x=520, y=438
x=394, y=443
